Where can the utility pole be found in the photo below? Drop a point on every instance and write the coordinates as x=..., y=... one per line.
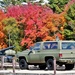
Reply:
x=9, y=38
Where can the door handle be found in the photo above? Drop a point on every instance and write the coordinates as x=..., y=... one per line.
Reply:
x=38, y=51
x=71, y=52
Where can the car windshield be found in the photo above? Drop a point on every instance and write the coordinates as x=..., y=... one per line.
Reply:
x=35, y=47
x=68, y=45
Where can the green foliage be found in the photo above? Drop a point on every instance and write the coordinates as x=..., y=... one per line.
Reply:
x=70, y=20
x=68, y=34
x=71, y=13
x=12, y=29
x=57, y=5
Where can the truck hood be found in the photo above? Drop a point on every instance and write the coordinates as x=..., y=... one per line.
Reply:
x=23, y=52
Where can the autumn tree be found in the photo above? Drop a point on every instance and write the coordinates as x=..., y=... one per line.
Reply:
x=2, y=35
x=40, y=24
x=12, y=30
x=27, y=25
x=65, y=8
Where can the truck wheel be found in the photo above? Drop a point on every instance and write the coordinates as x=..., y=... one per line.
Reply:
x=23, y=64
x=42, y=67
x=50, y=64
x=69, y=66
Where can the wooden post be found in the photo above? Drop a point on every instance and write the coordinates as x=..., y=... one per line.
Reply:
x=2, y=62
x=13, y=63
x=54, y=66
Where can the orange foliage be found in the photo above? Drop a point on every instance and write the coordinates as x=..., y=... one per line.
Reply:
x=61, y=28
x=2, y=35
x=2, y=15
x=54, y=29
x=48, y=38
x=54, y=23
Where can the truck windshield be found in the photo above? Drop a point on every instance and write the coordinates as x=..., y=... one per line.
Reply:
x=68, y=45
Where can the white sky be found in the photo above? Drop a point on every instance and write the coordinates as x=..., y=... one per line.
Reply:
x=46, y=1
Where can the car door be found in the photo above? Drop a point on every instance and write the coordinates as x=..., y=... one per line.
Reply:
x=49, y=49
x=34, y=55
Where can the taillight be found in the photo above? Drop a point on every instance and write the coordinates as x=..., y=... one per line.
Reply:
x=60, y=55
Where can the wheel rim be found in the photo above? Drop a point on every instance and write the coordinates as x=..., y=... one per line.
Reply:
x=50, y=64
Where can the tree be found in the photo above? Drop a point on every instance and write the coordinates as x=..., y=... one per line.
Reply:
x=40, y=24
x=67, y=8
x=2, y=34
x=69, y=31
x=57, y=5
x=11, y=28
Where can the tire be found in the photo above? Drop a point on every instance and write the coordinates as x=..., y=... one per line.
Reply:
x=42, y=67
x=50, y=64
x=69, y=66
x=23, y=64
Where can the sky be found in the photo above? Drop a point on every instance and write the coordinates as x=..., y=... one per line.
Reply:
x=46, y=1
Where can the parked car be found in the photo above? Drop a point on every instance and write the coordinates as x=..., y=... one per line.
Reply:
x=8, y=59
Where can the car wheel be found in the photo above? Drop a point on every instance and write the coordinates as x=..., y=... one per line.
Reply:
x=42, y=67
x=50, y=64
x=23, y=64
x=69, y=66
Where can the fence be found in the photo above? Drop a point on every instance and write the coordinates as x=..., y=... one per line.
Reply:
x=13, y=71
x=3, y=64
x=14, y=64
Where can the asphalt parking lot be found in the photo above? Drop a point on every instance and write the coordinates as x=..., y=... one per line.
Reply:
x=34, y=70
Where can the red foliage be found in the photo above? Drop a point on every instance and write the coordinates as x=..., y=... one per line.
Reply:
x=38, y=21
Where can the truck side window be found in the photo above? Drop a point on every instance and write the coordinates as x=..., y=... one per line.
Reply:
x=36, y=46
x=68, y=45
x=54, y=45
x=46, y=45
x=50, y=45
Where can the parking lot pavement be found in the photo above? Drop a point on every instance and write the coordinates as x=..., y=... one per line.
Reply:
x=34, y=70
x=39, y=72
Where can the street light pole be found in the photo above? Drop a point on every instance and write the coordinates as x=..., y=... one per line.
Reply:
x=9, y=38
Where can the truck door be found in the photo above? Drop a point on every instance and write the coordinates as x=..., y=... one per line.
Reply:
x=34, y=56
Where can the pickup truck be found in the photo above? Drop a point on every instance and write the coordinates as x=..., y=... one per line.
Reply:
x=43, y=54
